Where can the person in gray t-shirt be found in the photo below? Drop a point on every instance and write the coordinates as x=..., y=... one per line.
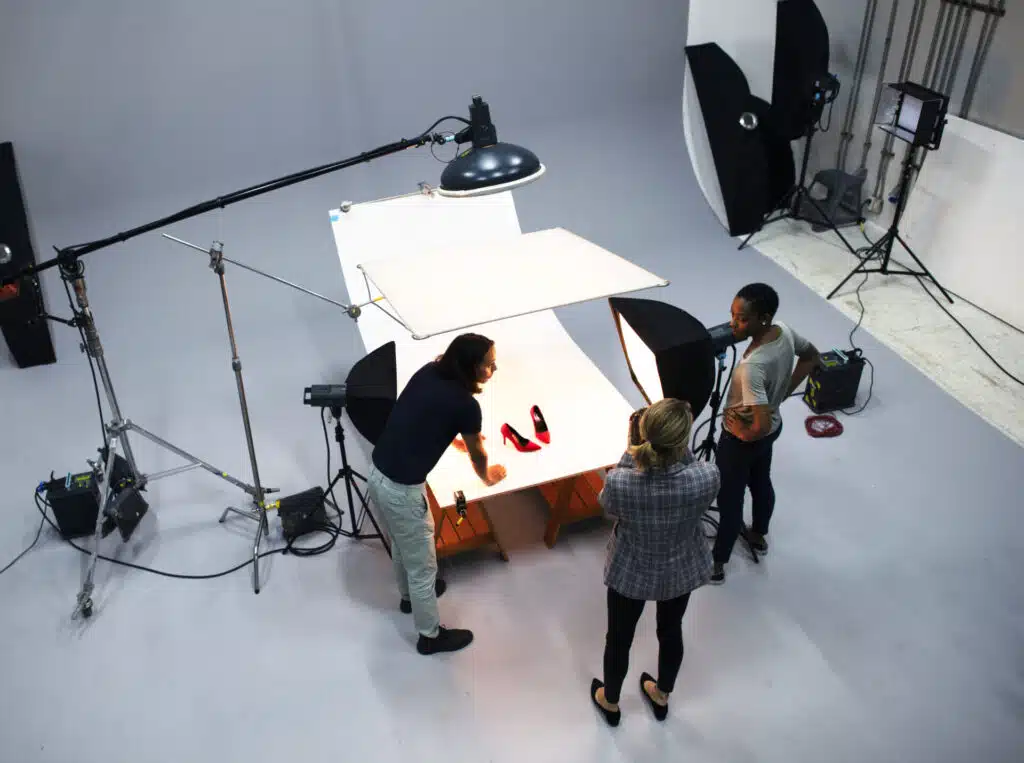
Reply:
x=775, y=363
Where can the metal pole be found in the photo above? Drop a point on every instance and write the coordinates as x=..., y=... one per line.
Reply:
x=933, y=50
x=75, y=273
x=984, y=44
x=881, y=80
x=943, y=84
x=83, y=605
x=846, y=136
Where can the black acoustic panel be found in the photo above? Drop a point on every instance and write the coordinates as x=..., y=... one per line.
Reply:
x=21, y=304
x=740, y=155
x=801, y=58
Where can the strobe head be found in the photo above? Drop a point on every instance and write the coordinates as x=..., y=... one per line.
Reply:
x=331, y=396
x=722, y=338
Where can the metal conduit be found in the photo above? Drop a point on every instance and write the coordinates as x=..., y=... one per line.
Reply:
x=846, y=134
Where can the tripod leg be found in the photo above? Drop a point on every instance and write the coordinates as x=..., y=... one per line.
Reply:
x=747, y=239
x=859, y=269
x=926, y=272
x=826, y=219
x=363, y=501
x=83, y=606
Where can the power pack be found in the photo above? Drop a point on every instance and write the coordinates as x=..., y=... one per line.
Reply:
x=302, y=513
x=832, y=384
x=75, y=501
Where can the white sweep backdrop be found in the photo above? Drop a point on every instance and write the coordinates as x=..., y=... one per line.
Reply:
x=538, y=362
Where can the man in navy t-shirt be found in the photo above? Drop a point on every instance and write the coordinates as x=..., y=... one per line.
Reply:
x=435, y=408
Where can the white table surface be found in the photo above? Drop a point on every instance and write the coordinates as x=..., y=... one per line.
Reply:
x=538, y=362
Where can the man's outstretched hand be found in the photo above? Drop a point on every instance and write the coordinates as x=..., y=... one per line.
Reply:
x=495, y=474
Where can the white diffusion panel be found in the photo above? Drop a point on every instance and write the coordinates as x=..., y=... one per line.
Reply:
x=642, y=363
x=453, y=287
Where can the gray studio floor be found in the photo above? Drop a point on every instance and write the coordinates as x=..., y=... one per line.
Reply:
x=884, y=626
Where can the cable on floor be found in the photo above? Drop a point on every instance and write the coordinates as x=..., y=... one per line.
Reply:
x=927, y=291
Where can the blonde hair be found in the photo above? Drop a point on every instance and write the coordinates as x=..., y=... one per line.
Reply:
x=665, y=434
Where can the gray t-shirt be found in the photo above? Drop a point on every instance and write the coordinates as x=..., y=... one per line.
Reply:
x=763, y=375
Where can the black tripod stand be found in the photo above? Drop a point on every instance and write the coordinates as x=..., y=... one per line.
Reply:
x=706, y=450
x=347, y=473
x=791, y=205
x=883, y=247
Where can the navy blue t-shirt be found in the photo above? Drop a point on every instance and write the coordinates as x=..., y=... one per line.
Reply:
x=429, y=413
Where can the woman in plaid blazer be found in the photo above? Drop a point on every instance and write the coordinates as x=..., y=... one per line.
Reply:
x=656, y=494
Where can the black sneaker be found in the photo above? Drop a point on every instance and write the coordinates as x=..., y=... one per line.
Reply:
x=439, y=588
x=446, y=640
x=718, y=575
x=756, y=541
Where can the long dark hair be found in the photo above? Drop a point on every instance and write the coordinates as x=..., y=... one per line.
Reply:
x=462, y=360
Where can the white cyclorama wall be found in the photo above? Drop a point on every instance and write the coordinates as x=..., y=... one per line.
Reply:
x=965, y=217
x=745, y=30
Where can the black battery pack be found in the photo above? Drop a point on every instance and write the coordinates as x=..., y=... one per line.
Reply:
x=832, y=384
x=75, y=502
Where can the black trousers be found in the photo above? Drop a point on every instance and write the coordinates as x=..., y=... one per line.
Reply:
x=623, y=615
x=743, y=465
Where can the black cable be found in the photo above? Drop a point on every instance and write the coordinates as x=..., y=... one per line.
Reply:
x=42, y=505
x=927, y=291
x=32, y=545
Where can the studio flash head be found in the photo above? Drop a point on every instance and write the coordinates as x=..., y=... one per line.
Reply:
x=325, y=396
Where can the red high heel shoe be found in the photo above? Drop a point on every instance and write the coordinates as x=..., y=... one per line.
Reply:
x=521, y=443
x=540, y=426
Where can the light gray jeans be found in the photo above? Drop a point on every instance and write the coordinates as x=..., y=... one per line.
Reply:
x=410, y=525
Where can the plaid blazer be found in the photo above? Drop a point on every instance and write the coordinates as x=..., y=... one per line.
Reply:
x=657, y=550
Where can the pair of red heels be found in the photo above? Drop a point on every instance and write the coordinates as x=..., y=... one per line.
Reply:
x=522, y=444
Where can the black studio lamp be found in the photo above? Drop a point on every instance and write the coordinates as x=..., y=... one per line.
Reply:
x=489, y=166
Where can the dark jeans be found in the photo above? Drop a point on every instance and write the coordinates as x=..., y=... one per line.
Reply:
x=623, y=615
x=742, y=465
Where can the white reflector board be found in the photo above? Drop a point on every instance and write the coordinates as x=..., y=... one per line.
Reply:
x=435, y=290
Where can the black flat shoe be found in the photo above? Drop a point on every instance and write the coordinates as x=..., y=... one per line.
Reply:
x=660, y=711
x=612, y=718
x=439, y=588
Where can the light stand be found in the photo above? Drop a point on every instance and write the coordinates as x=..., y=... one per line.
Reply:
x=368, y=394
x=350, y=475
x=489, y=166
x=669, y=354
x=73, y=271
x=792, y=202
x=706, y=450
x=917, y=116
